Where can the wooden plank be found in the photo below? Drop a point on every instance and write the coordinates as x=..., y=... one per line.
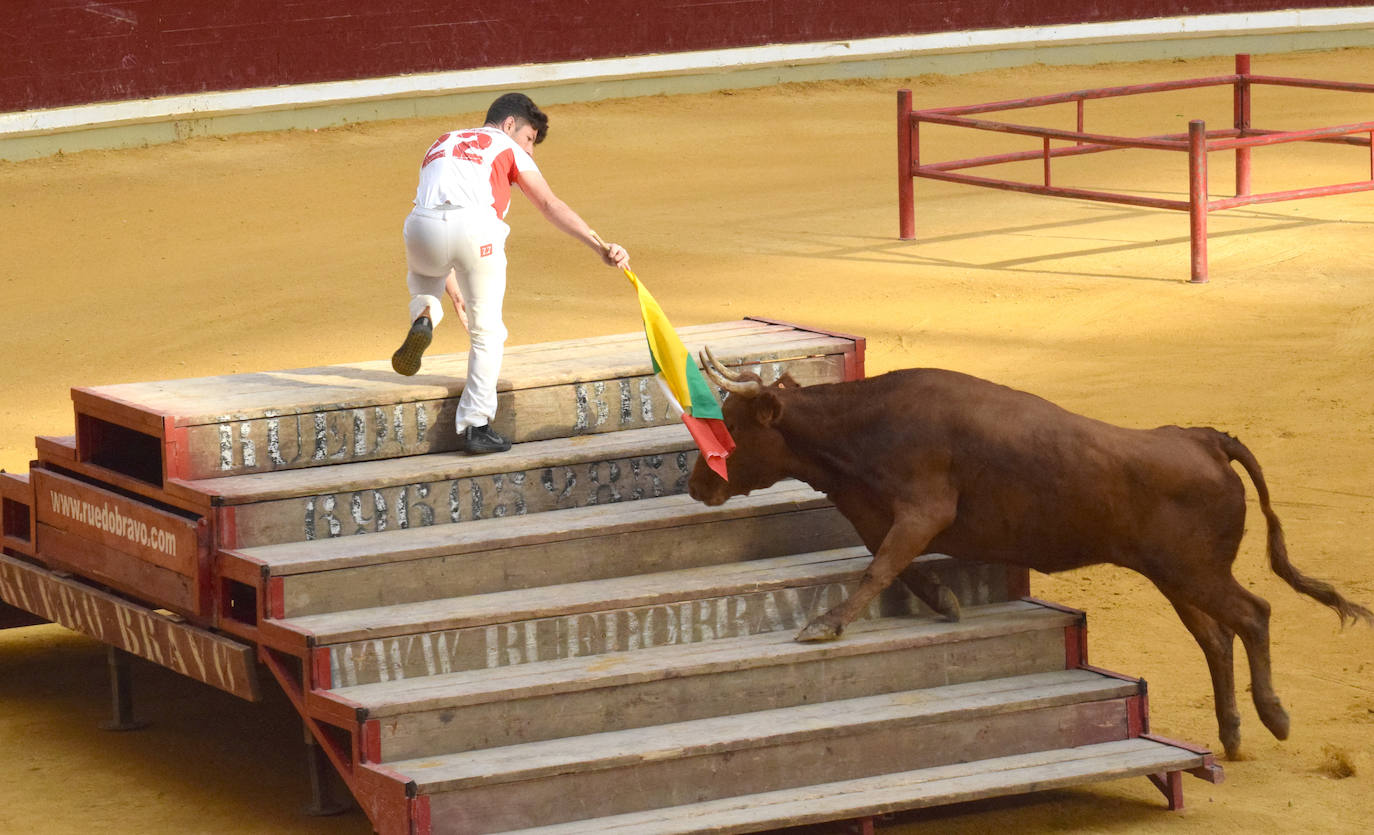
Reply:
x=588, y=555
x=631, y=361
x=59, y=449
x=18, y=521
x=16, y=487
x=271, y=421
x=728, y=329
x=591, y=632
x=368, y=384
x=577, y=674
x=362, y=385
x=106, y=403
x=829, y=720
x=443, y=489
x=594, y=622
x=344, y=432
x=595, y=347
x=512, y=529
x=680, y=770
x=145, y=533
x=366, y=475
x=854, y=359
x=574, y=363
x=458, y=500
x=144, y=580
x=625, y=692
x=196, y=653
x=180, y=499
x=895, y=792
x=575, y=598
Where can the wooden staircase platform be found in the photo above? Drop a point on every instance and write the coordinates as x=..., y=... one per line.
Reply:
x=418, y=491
x=899, y=791
x=503, y=788
x=556, y=639
x=596, y=616
x=487, y=708
x=151, y=433
x=518, y=552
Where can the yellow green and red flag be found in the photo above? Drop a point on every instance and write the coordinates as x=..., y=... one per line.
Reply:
x=686, y=387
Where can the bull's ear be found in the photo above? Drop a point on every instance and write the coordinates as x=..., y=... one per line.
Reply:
x=787, y=381
x=768, y=407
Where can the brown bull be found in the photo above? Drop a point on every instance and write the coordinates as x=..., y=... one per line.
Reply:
x=930, y=461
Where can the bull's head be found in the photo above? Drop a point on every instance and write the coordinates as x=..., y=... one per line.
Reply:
x=751, y=412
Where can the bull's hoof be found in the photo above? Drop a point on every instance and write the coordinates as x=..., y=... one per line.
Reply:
x=1234, y=753
x=1274, y=717
x=949, y=605
x=1230, y=740
x=817, y=631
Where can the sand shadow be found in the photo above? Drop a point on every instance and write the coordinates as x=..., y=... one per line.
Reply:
x=915, y=252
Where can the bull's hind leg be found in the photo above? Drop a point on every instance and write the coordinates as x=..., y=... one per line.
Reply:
x=912, y=530
x=1246, y=614
x=932, y=592
x=1218, y=646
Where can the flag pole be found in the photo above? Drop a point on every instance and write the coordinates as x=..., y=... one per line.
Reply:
x=605, y=247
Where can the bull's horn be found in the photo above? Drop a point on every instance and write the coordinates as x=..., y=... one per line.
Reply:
x=725, y=379
x=710, y=359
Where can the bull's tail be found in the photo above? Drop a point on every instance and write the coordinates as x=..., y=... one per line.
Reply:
x=1318, y=590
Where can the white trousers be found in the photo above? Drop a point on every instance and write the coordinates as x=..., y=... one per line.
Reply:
x=472, y=243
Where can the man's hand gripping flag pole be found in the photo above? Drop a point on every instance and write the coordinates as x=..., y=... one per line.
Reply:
x=687, y=389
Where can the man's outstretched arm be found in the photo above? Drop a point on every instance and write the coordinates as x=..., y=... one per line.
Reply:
x=561, y=215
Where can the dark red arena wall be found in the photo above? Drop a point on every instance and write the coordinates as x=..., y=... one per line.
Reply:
x=64, y=52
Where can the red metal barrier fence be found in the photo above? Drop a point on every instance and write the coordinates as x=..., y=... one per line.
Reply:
x=1198, y=142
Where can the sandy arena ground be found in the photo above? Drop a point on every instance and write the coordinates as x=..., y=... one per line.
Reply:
x=284, y=250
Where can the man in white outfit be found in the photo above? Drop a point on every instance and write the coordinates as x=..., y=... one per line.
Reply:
x=456, y=244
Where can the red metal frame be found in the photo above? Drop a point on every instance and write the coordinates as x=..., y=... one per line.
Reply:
x=1198, y=142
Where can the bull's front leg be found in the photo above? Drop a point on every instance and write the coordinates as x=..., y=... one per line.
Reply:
x=913, y=527
x=932, y=592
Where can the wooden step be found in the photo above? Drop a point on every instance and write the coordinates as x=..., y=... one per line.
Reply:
x=18, y=519
x=455, y=712
x=901, y=791
x=388, y=643
x=635, y=770
x=267, y=421
x=345, y=500
x=545, y=549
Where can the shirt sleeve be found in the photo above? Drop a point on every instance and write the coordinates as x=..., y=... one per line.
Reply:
x=523, y=162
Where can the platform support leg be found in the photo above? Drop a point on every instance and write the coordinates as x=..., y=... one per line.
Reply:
x=324, y=798
x=861, y=826
x=121, y=693
x=1170, y=783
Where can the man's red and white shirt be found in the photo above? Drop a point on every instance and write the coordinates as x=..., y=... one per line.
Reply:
x=472, y=168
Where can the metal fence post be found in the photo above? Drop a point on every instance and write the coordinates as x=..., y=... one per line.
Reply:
x=1197, y=198
x=906, y=209
x=1241, y=95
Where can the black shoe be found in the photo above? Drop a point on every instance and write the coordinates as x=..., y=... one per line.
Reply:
x=406, y=360
x=481, y=439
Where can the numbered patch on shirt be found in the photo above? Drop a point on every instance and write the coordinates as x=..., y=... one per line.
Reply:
x=486, y=250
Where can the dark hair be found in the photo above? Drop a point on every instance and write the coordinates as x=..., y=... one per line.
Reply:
x=521, y=107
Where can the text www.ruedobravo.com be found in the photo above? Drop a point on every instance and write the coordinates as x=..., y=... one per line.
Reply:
x=112, y=521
